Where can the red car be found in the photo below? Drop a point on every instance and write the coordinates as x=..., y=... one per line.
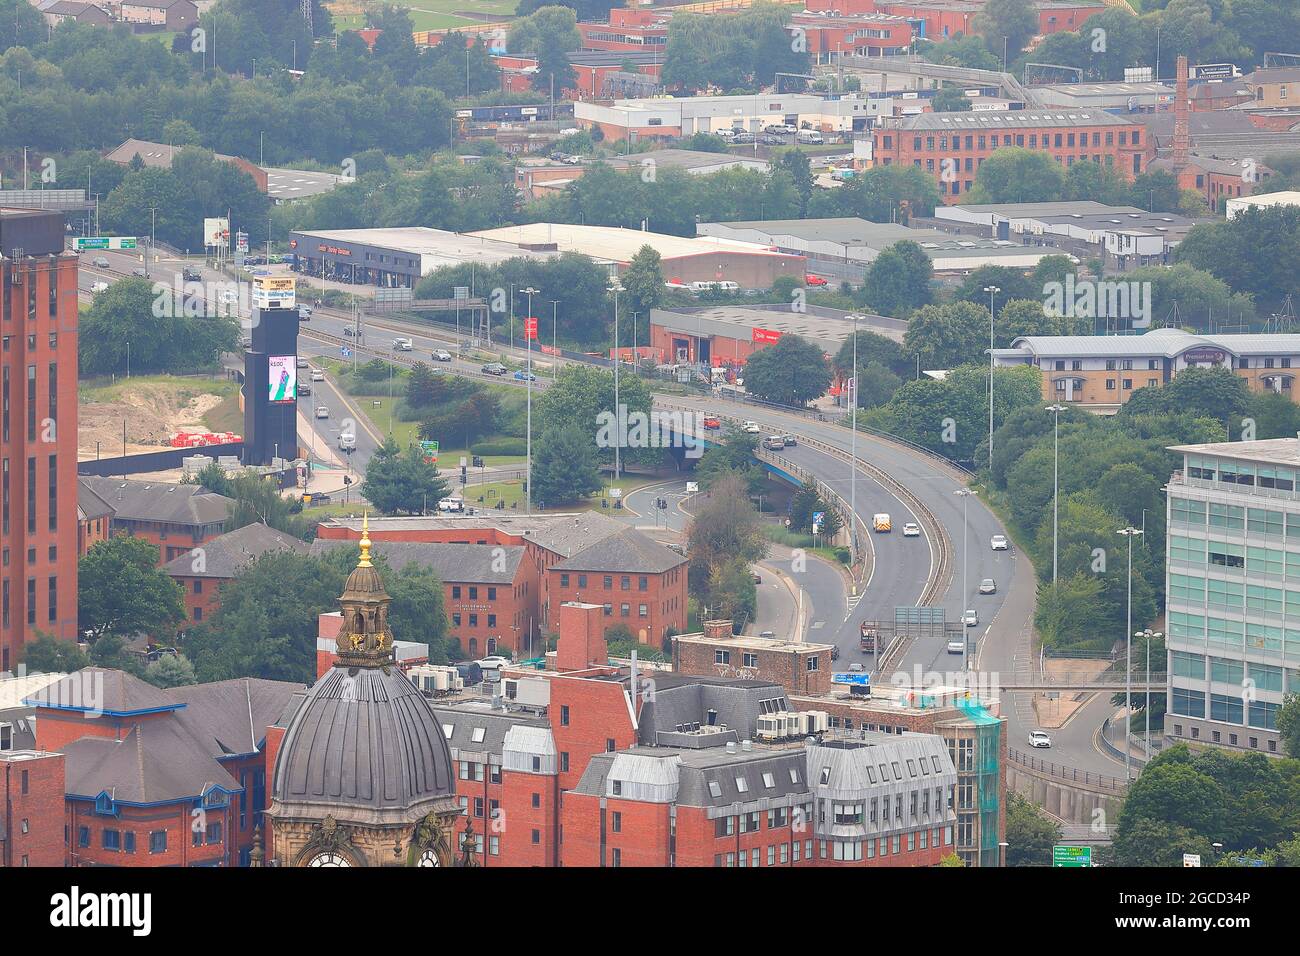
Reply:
x=814, y=280
x=711, y=421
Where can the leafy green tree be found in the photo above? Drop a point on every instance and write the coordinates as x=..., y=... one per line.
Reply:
x=898, y=280
x=872, y=348
x=945, y=336
x=583, y=397
x=1016, y=174
x=1013, y=22
x=799, y=167
x=50, y=655
x=965, y=51
x=257, y=501
x=564, y=466
x=170, y=671
x=732, y=594
x=876, y=385
x=880, y=194
x=549, y=34
x=791, y=371
x=725, y=527
x=950, y=99
x=1288, y=724
x=1030, y=834
x=807, y=502
x=733, y=456
x=121, y=591
x=402, y=482
x=1269, y=239
x=643, y=279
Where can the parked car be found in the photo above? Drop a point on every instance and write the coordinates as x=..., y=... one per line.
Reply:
x=712, y=421
x=441, y=355
x=911, y=530
x=779, y=129
x=495, y=368
x=767, y=139
x=493, y=662
x=811, y=279
x=1039, y=739
x=998, y=542
x=742, y=138
x=988, y=586
x=970, y=618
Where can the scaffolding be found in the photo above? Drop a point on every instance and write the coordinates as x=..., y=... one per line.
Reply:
x=988, y=736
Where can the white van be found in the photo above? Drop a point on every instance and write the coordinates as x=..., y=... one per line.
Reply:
x=724, y=285
x=809, y=137
x=451, y=505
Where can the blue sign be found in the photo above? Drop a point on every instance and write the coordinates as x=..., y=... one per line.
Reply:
x=856, y=678
x=345, y=351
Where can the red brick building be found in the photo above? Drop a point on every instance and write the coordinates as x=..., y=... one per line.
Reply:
x=943, y=19
x=31, y=808
x=94, y=518
x=159, y=777
x=38, y=433
x=177, y=518
x=798, y=667
x=951, y=146
x=628, y=31
x=202, y=572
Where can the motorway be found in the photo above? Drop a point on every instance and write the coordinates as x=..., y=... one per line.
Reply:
x=899, y=567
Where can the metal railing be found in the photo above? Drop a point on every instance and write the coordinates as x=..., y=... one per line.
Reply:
x=1087, y=778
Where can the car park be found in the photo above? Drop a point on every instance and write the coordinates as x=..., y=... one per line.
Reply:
x=970, y=618
x=988, y=586
x=1039, y=739
x=911, y=530
x=441, y=355
x=998, y=542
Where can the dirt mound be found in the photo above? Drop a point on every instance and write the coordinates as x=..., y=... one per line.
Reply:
x=152, y=411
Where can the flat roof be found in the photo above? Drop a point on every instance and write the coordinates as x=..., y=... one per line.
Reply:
x=1012, y=119
x=754, y=643
x=285, y=184
x=1278, y=451
x=849, y=231
x=615, y=243
x=683, y=159
x=726, y=321
x=1037, y=210
x=439, y=244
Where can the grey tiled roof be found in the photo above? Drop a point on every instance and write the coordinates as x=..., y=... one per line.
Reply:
x=160, y=501
x=227, y=555
x=155, y=762
x=565, y=534
x=685, y=701
x=231, y=716
x=630, y=551
x=112, y=691
x=1010, y=120
x=466, y=723
x=89, y=505
x=459, y=563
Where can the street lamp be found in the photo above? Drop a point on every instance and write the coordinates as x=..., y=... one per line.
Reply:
x=1056, y=486
x=965, y=495
x=853, y=451
x=616, y=288
x=528, y=382
x=992, y=290
x=1148, y=636
x=555, y=325
x=1130, y=533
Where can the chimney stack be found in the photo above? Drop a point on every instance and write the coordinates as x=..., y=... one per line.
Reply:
x=582, y=637
x=718, y=630
x=1182, y=129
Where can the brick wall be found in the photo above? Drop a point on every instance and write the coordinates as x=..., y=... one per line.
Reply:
x=31, y=800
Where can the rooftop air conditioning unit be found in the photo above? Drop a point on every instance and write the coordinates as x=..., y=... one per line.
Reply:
x=772, y=727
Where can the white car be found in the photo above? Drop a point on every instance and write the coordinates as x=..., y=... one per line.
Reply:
x=441, y=355
x=493, y=663
x=322, y=411
x=317, y=375
x=988, y=586
x=401, y=344
x=1039, y=739
x=911, y=530
x=347, y=442
x=750, y=428
x=956, y=647
x=970, y=618
x=998, y=542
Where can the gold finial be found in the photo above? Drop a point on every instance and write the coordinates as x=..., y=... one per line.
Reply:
x=365, y=541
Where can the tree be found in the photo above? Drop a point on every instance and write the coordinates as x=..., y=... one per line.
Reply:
x=805, y=504
x=257, y=501
x=945, y=336
x=122, y=592
x=1016, y=174
x=950, y=99
x=1288, y=724
x=898, y=281
x=1007, y=25
x=1030, y=834
x=952, y=860
x=1010, y=283
x=170, y=671
x=872, y=347
x=880, y=194
x=50, y=655
x=643, y=280
x=583, y=396
x=732, y=457
x=797, y=164
x=548, y=34
x=732, y=595
x=725, y=527
x=1268, y=238
x=876, y=385
x=564, y=466
x=792, y=371
x=402, y=482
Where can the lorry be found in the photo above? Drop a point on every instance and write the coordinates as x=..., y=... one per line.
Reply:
x=881, y=524
x=869, y=634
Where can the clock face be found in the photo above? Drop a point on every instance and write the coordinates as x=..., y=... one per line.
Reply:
x=429, y=858
x=328, y=859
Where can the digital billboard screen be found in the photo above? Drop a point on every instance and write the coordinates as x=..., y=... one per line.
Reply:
x=283, y=378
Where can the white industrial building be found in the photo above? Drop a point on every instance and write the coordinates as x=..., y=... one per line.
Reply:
x=687, y=115
x=1234, y=207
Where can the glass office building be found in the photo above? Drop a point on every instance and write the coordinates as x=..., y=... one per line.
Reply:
x=1233, y=591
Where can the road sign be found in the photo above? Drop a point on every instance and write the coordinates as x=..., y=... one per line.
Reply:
x=460, y=292
x=855, y=678
x=345, y=351
x=83, y=243
x=1071, y=856
x=430, y=449
x=1191, y=859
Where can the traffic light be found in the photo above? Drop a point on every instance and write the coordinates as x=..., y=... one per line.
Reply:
x=347, y=479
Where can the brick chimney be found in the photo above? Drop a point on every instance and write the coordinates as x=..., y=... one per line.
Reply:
x=1182, y=129
x=582, y=637
x=718, y=630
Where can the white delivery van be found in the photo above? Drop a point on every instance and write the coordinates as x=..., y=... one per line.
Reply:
x=809, y=137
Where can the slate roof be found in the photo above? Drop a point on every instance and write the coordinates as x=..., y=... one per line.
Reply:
x=466, y=723
x=156, y=762
x=459, y=563
x=995, y=121
x=113, y=692
x=231, y=716
x=90, y=505
x=159, y=501
x=630, y=551
x=564, y=534
x=227, y=555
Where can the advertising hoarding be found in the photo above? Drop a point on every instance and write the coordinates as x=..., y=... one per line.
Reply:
x=282, y=378
x=216, y=232
x=273, y=292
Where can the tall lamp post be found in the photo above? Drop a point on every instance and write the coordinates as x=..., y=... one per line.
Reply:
x=528, y=382
x=965, y=495
x=555, y=325
x=992, y=290
x=616, y=288
x=1056, y=484
x=853, y=451
x=1148, y=636
x=1130, y=533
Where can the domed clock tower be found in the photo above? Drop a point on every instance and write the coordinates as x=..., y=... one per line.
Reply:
x=364, y=776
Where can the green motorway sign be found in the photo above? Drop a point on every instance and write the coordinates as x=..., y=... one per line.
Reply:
x=1071, y=856
x=82, y=243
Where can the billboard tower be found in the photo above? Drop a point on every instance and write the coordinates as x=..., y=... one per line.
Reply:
x=271, y=373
